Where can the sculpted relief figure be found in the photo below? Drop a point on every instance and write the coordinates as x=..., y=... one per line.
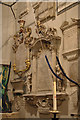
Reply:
x=41, y=29
x=51, y=31
x=20, y=37
x=61, y=85
x=27, y=36
x=28, y=83
x=16, y=43
x=21, y=31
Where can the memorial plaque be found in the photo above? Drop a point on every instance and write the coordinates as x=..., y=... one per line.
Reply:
x=44, y=77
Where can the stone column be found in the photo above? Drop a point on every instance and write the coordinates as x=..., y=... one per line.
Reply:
x=34, y=75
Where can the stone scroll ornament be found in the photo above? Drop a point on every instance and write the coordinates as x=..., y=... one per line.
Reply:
x=61, y=70
x=23, y=36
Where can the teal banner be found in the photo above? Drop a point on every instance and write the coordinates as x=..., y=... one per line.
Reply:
x=4, y=101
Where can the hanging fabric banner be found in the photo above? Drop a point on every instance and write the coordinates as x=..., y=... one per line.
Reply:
x=4, y=78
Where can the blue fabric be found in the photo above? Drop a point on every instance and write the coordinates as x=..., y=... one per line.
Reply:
x=65, y=73
x=52, y=69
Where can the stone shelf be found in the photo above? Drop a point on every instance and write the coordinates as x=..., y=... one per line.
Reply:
x=10, y=115
x=42, y=94
x=43, y=101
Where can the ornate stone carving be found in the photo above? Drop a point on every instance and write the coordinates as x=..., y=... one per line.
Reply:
x=44, y=44
x=71, y=55
x=28, y=38
x=23, y=36
x=17, y=104
x=42, y=31
x=46, y=41
x=44, y=105
x=20, y=72
x=28, y=83
x=42, y=101
x=16, y=43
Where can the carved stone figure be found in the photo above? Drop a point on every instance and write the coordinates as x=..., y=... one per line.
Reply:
x=51, y=31
x=27, y=36
x=41, y=29
x=16, y=43
x=61, y=85
x=21, y=31
x=22, y=23
x=20, y=37
x=28, y=83
x=28, y=32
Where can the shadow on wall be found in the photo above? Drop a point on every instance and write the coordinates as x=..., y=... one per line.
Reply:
x=73, y=72
x=61, y=103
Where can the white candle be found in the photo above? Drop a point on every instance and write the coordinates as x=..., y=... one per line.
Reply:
x=54, y=80
x=54, y=96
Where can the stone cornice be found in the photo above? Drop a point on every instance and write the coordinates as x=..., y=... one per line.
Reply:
x=71, y=55
x=67, y=25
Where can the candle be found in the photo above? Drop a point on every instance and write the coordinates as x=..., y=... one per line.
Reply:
x=54, y=96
